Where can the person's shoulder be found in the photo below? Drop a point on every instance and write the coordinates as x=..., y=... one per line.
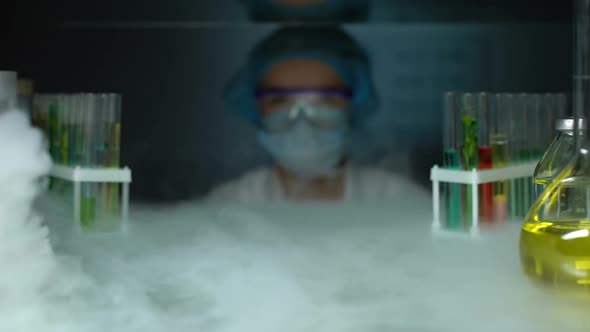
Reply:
x=242, y=190
x=380, y=184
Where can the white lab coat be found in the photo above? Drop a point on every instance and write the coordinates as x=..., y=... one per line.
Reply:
x=262, y=186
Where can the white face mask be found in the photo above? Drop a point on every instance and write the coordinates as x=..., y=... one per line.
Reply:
x=307, y=151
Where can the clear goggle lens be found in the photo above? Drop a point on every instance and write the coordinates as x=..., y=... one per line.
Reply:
x=321, y=109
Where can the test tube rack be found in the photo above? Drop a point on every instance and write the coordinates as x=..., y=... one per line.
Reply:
x=471, y=178
x=78, y=175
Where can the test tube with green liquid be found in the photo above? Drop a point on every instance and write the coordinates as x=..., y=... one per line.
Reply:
x=452, y=159
x=499, y=129
x=101, y=118
x=89, y=194
x=102, y=137
x=469, y=153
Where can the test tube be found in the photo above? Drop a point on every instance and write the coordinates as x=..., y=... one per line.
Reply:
x=469, y=147
x=78, y=103
x=535, y=118
x=109, y=119
x=470, y=131
x=88, y=199
x=100, y=117
x=38, y=100
x=508, y=107
x=53, y=127
x=45, y=114
x=87, y=128
x=484, y=153
x=500, y=121
x=523, y=151
x=8, y=90
x=62, y=131
x=107, y=205
x=114, y=129
x=53, y=136
x=527, y=146
x=100, y=151
x=72, y=118
x=549, y=114
x=40, y=120
x=451, y=158
x=25, y=96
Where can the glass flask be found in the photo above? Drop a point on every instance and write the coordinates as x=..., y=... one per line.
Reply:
x=555, y=239
x=559, y=153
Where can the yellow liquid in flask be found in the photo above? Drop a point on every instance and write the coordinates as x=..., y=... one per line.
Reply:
x=557, y=253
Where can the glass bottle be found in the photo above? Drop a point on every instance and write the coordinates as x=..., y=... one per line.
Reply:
x=559, y=153
x=555, y=238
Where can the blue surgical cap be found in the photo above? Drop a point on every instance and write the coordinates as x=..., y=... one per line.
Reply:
x=330, y=45
x=327, y=10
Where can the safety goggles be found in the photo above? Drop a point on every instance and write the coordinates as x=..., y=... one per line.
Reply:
x=324, y=109
x=279, y=99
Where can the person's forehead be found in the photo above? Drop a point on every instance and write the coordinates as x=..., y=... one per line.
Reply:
x=301, y=73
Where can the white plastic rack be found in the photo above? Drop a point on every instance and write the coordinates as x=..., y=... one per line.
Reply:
x=79, y=175
x=472, y=178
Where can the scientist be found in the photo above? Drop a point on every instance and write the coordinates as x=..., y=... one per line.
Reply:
x=306, y=90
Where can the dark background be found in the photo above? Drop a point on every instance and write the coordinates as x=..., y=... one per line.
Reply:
x=171, y=60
